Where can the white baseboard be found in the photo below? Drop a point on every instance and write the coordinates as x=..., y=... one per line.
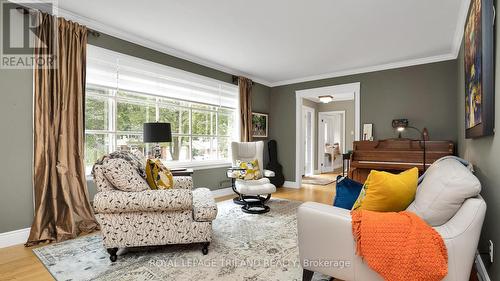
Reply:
x=222, y=192
x=481, y=269
x=291, y=184
x=14, y=237
x=317, y=172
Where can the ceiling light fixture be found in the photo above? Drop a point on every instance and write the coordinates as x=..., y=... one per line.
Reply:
x=325, y=99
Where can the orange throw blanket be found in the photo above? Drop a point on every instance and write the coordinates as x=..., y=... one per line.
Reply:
x=399, y=246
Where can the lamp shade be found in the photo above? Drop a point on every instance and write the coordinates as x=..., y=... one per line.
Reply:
x=156, y=132
x=400, y=124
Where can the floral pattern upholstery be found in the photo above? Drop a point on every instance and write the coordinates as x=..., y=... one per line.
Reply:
x=153, y=217
x=101, y=182
x=137, y=162
x=123, y=176
x=183, y=182
x=204, y=206
x=152, y=228
x=143, y=201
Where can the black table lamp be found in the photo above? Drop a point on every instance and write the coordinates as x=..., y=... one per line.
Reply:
x=402, y=124
x=156, y=132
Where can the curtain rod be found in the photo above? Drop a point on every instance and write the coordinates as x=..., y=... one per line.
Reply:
x=235, y=80
x=90, y=31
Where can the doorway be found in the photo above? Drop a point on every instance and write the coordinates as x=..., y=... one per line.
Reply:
x=349, y=91
x=308, y=124
x=331, y=140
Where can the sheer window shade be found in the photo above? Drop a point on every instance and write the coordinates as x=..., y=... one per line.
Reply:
x=122, y=72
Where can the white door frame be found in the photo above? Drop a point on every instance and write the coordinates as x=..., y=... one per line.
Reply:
x=305, y=109
x=315, y=92
x=321, y=136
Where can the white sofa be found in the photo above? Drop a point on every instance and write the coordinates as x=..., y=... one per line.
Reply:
x=447, y=199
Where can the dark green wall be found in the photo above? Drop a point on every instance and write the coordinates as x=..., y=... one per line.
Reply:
x=16, y=119
x=425, y=94
x=484, y=154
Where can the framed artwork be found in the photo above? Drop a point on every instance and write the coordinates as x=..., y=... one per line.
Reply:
x=368, y=132
x=259, y=125
x=479, y=69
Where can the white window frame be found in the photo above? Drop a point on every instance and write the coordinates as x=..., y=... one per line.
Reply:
x=113, y=99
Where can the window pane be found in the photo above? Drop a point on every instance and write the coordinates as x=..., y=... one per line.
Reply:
x=130, y=117
x=177, y=150
x=96, y=113
x=223, y=145
x=178, y=118
x=225, y=126
x=96, y=146
x=203, y=122
x=130, y=143
x=204, y=148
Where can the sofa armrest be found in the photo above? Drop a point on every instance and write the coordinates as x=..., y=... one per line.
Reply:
x=269, y=174
x=143, y=201
x=325, y=237
x=204, y=206
x=461, y=237
x=183, y=182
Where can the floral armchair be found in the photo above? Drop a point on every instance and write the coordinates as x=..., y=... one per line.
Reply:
x=153, y=217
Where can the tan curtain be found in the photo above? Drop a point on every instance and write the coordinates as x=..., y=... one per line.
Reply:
x=245, y=108
x=62, y=208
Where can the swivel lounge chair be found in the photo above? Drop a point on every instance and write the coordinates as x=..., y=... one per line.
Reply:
x=252, y=194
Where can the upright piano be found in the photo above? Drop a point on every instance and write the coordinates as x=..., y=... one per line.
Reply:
x=394, y=155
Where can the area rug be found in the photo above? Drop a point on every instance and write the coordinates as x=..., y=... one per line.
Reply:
x=316, y=180
x=244, y=247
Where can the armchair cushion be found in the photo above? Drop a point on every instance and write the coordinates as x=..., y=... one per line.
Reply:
x=144, y=201
x=123, y=176
x=255, y=187
x=204, y=206
x=445, y=187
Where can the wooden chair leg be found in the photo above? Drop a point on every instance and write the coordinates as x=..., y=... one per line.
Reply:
x=307, y=275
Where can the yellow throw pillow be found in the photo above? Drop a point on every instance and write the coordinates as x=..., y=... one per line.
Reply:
x=158, y=176
x=386, y=192
x=251, y=170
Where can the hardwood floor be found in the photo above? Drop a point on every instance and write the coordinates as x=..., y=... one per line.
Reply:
x=19, y=263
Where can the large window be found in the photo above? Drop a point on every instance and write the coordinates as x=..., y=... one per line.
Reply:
x=123, y=93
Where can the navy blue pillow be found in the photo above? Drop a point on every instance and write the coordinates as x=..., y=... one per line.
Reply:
x=347, y=192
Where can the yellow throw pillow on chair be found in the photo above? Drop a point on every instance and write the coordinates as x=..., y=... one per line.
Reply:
x=386, y=192
x=158, y=176
x=251, y=170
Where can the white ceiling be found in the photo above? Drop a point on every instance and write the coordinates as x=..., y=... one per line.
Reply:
x=283, y=41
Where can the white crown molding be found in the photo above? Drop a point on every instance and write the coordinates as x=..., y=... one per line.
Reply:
x=381, y=67
x=98, y=26
x=14, y=237
x=459, y=32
